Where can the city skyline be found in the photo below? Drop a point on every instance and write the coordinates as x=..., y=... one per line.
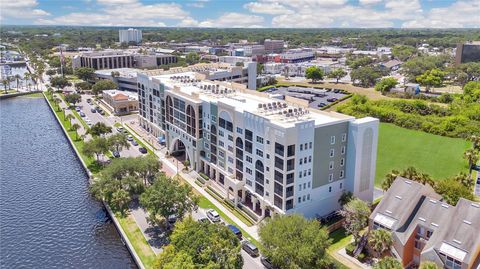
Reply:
x=246, y=13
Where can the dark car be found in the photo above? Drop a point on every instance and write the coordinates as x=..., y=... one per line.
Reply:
x=143, y=150
x=101, y=112
x=250, y=248
x=266, y=262
x=116, y=154
x=134, y=142
x=321, y=104
x=235, y=230
x=89, y=100
x=93, y=110
x=204, y=220
x=172, y=219
x=82, y=114
x=336, y=91
x=333, y=99
x=478, y=181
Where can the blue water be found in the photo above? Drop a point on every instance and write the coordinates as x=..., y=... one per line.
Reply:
x=47, y=217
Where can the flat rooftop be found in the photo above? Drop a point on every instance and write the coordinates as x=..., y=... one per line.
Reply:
x=282, y=113
x=124, y=72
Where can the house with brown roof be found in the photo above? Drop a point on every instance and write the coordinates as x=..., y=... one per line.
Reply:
x=425, y=228
x=120, y=102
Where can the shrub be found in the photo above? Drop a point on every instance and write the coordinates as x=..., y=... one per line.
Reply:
x=203, y=176
x=361, y=257
x=350, y=248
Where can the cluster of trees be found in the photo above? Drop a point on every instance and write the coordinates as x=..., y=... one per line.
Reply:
x=314, y=73
x=460, y=119
x=451, y=189
x=366, y=76
x=103, y=85
x=386, y=84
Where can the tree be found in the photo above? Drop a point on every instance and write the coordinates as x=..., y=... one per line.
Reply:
x=17, y=79
x=5, y=83
x=388, y=263
x=431, y=78
x=365, y=75
x=452, y=191
x=403, y=52
x=389, y=179
x=471, y=155
x=416, y=66
x=59, y=82
x=148, y=167
x=428, y=265
x=121, y=198
x=99, y=129
x=314, y=73
x=337, y=74
x=97, y=146
x=356, y=214
x=192, y=58
x=119, y=141
x=26, y=77
x=73, y=98
x=167, y=197
x=291, y=241
x=386, y=84
x=472, y=90
x=83, y=86
x=464, y=179
x=103, y=85
x=380, y=240
x=51, y=72
x=204, y=245
x=345, y=198
x=260, y=68
x=475, y=139
x=85, y=73
x=69, y=117
x=75, y=128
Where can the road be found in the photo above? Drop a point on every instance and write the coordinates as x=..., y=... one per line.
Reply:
x=477, y=184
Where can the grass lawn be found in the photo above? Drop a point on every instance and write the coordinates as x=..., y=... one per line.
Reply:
x=34, y=95
x=141, y=246
x=398, y=148
x=339, y=239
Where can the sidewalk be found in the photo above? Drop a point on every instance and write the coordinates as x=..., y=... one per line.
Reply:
x=169, y=167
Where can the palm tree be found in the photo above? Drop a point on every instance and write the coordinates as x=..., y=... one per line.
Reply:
x=464, y=179
x=380, y=240
x=388, y=263
x=75, y=127
x=471, y=156
x=50, y=92
x=429, y=265
x=5, y=82
x=475, y=142
x=69, y=117
x=389, y=179
x=57, y=102
x=18, y=78
x=26, y=77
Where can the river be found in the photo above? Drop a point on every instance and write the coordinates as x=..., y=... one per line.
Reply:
x=47, y=217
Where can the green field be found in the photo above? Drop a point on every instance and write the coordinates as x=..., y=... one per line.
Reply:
x=438, y=156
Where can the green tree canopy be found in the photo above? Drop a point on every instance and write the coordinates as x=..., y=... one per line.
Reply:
x=167, y=197
x=337, y=74
x=205, y=245
x=85, y=73
x=452, y=190
x=291, y=241
x=192, y=58
x=59, y=82
x=428, y=265
x=416, y=66
x=431, y=78
x=356, y=213
x=388, y=263
x=99, y=129
x=96, y=146
x=103, y=85
x=472, y=90
x=403, y=52
x=386, y=84
x=83, y=86
x=73, y=98
x=119, y=141
x=380, y=240
x=314, y=73
x=366, y=76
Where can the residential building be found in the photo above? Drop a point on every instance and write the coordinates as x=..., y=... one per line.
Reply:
x=120, y=102
x=266, y=155
x=130, y=35
x=112, y=59
x=273, y=46
x=468, y=52
x=126, y=78
x=424, y=228
x=297, y=55
x=298, y=69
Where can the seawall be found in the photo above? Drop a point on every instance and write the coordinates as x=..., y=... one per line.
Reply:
x=10, y=95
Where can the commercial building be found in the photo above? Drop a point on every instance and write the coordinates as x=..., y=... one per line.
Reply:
x=468, y=52
x=112, y=59
x=120, y=102
x=424, y=228
x=298, y=69
x=268, y=156
x=273, y=46
x=126, y=78
x=130, y=35
x=297, y=56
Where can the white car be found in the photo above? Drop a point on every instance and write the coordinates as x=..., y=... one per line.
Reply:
x=213, y=215
x=129, y=138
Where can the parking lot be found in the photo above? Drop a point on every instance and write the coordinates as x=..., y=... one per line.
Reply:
x=317, y=97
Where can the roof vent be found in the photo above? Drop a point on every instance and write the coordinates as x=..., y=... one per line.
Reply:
x=433, y=201
x=408, y=182
x=445, y=206
x=388, y=211
x=456, y=241
x=434, y=224
x=398, y=197
x=467, y=222
x=475, y=205
x=422, y=219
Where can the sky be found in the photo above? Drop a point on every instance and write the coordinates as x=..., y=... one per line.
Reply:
x=245, y=13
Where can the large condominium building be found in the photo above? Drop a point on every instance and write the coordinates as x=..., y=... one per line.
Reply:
x=269, y=156
x=468, y=52
x=273, y=46
x=130, y=35
x=111, y=59
x=425, y=228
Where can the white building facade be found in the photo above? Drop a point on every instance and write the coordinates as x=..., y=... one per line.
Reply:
x=130, y=35
x=265, y=155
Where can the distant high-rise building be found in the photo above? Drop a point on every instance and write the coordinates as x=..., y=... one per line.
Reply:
x=130, y=35
x=273, y=46
x=468, y=52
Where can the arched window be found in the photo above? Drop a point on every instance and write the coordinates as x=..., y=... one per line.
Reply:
x=239, y=143
x=169, y=109
x=259, y=166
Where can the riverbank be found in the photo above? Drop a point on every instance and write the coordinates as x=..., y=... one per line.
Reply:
x=16, y=94
x=79, y=144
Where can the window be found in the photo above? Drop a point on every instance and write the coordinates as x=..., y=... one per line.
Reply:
x=279, y=163
x=341, y=185
x=305, y=160
x=342, y=173
x=329, y=189
x=330, y=166
x=268, y=156
x=299, y=187
x=306, y=146
x=301, y=160
x=308, y=196
x=344, y=137
x=332, y=139
x=230, y=137
x=299, y=200
x=342, y=162
x=310, y=145
x=279, y=149
x=300, y=174
x=303, y=198
x=290, y=150
x=259, y=153
x=220, y=133
x=343, y=150
x=304, y=173
x=301, y=147
x=260, y=139
x=309, y=172
x=221, y=144
x=308, y=185
x=249, y=159
x=230, y=159
x=330, y=178
x=332, y=153
x=309, y=159
x=248, y=135
x=304, y=185
x=239, y=130
x=290, y=164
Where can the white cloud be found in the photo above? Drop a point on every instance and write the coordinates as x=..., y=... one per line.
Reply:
x=369, y=2
x=267, y=8
x=234, y=20
x=188, y=22
x=117, y=2
x=21, y=9
x=460, y=14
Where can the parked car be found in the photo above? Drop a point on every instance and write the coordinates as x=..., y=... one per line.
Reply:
x=82, y=114
x=172, y=219
x=89, y=100
x=93, y=110
x=204, y=220
x=250, y=248
x=336, y=91
x=266, y=262
x=116, y=154
x=120, y=129
x=98, y=109
x=143, y=150
x=333, y=99
x=321, y=104
x=235, y=230
x=77, y=109
x=134, y=142
x=129, y=138
x=213, y=215
x=101, y=112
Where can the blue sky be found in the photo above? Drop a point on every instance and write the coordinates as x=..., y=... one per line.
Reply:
x=245, y=13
